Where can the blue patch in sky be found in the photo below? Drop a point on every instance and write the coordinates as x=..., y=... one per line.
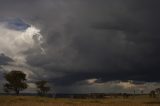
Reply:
x=17, y=24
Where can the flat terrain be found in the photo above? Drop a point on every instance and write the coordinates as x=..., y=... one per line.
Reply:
x=43, y=101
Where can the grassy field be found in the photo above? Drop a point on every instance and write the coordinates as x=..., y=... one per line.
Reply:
x=43, y=101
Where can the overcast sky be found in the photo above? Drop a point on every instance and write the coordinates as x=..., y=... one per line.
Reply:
x=82, y=45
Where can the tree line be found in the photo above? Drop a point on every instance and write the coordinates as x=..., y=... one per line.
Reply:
x=16, y=82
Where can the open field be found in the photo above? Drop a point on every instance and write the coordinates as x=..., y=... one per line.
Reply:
x=43, y=101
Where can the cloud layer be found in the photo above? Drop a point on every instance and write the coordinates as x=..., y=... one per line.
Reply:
x=83, y=40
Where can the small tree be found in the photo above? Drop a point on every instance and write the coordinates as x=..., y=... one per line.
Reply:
x=157, y=91
x=152, y=94
x=42, y=88
x=15, y=82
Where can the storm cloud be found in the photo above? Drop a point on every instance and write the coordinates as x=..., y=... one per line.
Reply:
x=85, y=39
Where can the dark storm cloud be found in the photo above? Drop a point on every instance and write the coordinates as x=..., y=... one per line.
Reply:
x=83, y=39
x=142, y=30
x=4, y=60
x=113, y=45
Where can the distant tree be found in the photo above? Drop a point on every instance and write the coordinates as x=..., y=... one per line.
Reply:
x=15, y=82
x=152, y=94
x=125, y=95
x=157, y=91
x=42, y=87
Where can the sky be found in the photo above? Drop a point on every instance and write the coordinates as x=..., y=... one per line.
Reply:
x=82, y=46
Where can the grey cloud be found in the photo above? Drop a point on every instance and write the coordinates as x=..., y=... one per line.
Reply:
x=111, y=40
x=124, y=48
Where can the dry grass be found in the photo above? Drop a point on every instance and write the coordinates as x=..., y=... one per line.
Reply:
x=42, y=101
